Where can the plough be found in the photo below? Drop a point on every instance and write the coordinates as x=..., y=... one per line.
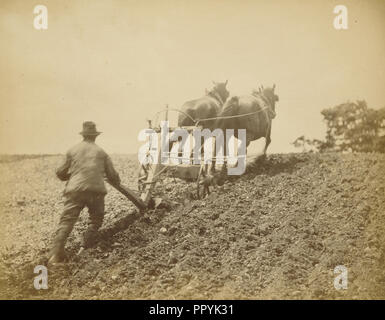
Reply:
x=150, y=172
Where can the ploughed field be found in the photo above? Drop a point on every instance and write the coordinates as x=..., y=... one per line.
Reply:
x=276, y=232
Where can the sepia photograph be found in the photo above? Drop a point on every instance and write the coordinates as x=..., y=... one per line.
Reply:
x=192, y=150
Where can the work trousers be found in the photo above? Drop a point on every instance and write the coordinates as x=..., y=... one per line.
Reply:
x=73, y=205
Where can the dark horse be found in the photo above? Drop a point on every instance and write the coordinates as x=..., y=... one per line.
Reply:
x=253, y=112
x=206, y=107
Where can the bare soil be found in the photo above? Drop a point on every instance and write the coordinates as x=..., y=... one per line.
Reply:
x=276, y=232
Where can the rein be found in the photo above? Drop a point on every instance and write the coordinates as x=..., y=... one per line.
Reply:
x=197, y=121
x=230, y=117
x=177, y=110
x=267, y=107
x=266, y=101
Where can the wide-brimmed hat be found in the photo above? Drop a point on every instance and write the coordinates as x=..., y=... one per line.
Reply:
x=89, y=129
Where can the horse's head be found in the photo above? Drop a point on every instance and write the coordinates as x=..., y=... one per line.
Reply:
x=220, y=89
x=269, y=94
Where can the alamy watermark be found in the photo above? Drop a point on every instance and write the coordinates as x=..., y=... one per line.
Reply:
x=340, y=21
x=149, y=152
x=41, y=280
x=40, y=20
x=341, y=280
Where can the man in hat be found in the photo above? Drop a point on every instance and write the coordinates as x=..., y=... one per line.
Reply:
x=84, y=169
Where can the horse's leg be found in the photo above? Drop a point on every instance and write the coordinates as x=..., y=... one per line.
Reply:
x=171, y=143
x=223, y=173
x=180, y=147
x=192, y=155
x=202, y=147
x=243, y=155
x=214, y=159
x=267, y=142
x=201, y=150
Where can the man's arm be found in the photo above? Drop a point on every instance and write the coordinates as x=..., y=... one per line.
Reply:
x=62, y=171
x=111, y=173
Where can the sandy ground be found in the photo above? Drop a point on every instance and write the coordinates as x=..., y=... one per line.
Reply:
x=275, y=233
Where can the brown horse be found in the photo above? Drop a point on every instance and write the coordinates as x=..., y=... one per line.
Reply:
x=206, y=107
x=253, y=112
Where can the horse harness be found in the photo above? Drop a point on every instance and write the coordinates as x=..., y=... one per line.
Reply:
x=270, y=114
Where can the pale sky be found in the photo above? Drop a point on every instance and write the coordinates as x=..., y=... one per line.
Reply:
x=119, y=62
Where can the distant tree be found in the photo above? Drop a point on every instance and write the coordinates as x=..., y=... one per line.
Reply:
x=307, y=144
x=354, y=127
x=351, y=126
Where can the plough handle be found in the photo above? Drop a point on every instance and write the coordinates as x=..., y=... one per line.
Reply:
x=130, y=195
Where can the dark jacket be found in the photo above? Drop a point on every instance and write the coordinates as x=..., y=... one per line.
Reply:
x=85, y=167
